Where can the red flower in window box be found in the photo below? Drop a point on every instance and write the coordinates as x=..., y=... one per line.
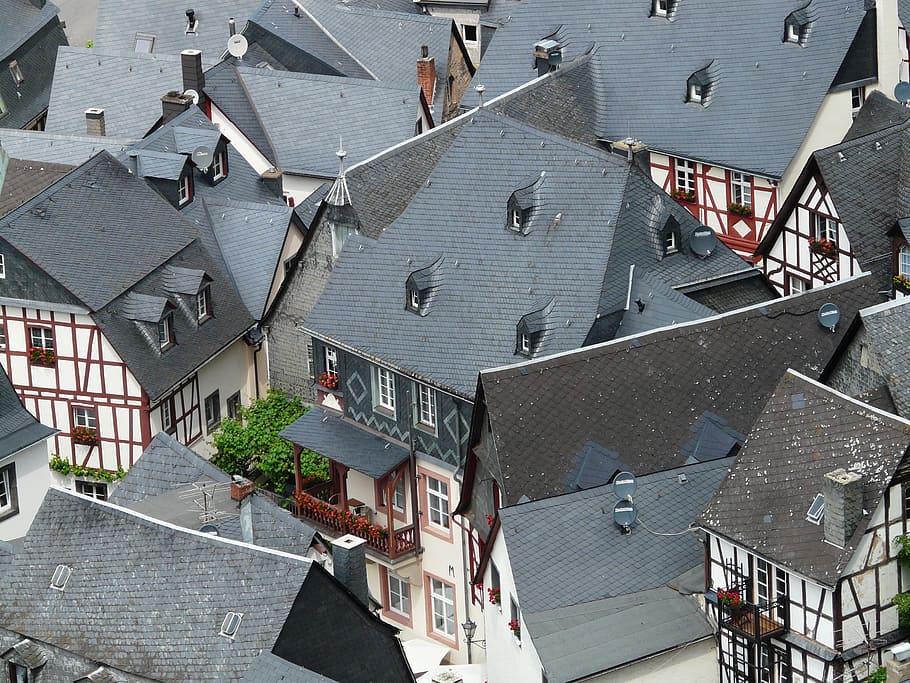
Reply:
x=329, y=380
x=684, y=195
x=740, y=209
x=901, y=282
x=490, y=521
x=85, y=436
x=515, y=627
x=495, y=595
x=41, y=356
x=823, y=246
x=730, y=598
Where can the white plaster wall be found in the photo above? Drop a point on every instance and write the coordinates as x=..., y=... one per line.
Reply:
x=247, y=150
x=291, y=246
x=33, y=477
x=299, y=187
x=696, y=662
x=229, y=372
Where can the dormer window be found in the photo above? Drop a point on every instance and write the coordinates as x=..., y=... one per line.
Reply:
x=219, y=166
x=204, y=304
x=662, y=8
x=520, y=207
x=166, y=332
x=530, y=330
x=670, y=243
x=421, y=287
x=515, y=220
x=184, y=190
x=671, y=236
x=796, y=25
x=414, y=300
x=524, y=344
x=699, y=87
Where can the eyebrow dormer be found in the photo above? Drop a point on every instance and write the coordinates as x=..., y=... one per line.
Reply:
x=192, y=290
x=421, y=287
x=531, y=329
x=670, y=236
x=700, y=86
x=664, y=8
x=797, y=25
x=521, y=204
x=154, y=316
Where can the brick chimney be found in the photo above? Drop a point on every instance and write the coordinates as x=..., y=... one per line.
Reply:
x=193, y=76
x=843, y=492
x=426, y=74
x=350, y=560
x=94, y=122
x=174, y=103
x=241, y=488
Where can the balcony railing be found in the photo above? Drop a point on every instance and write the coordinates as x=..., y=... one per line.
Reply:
x=336, y=522
x=756, y=622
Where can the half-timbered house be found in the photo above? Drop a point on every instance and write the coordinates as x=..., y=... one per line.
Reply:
x=778, y=80
x=801, y=549
x=847, y=211
x=116, y=321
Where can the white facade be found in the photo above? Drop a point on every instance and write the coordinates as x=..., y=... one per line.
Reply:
x=25, y=479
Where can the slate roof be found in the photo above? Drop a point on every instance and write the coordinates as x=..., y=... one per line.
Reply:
x=343, y=441
x=657, y=384
x=302, y=116
x=30, y=35
x=25, y=179
x=119, y=20
x=586, y=230
x=267, y=668
x=71, y=150
x=663, y=306
x=805, y=431
x=644, y=64
x=878, y=112
x=178, y=585
x=18, y=428
x=127, y=85
x=885, y=326
x=618, y=582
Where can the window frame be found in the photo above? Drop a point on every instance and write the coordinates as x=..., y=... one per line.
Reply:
x=515, y=219
x=824, y=227
x=413, y=303
x=741, y=188
x=684, y=175
x=330, y=356
x=212, y=410
x=670, y=246
x=464, y=33
x=204, y=304
x=218, y=166
x=2, y=337
x=85, y=416
x=13, y=670
x=803, y=285
x=443, y=601
x=92, y=489
x=47, y=337
x=385, y=390
x=441, y=499
x=524, y=343
x=184, y=190
x=9, y=491
x=169, y=425
x=339, y=240
x=660, y=8
x=233, y=404
x=144, y=37
x=426, y=395
x=166, y=338
x=857, y=99
x=903, y=261
x=403, y=595
x=2, y=267
x=515, y=615
x=16, y=72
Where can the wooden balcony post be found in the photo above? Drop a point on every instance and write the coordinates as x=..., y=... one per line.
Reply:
x=298, y=478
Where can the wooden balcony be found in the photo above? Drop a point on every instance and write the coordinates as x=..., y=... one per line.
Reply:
x=756, y=622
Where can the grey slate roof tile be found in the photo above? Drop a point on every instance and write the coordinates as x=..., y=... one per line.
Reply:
x=878, y=112
x=645, y=62
x=639, y=396
x=886, y=328
x=25, y=179
x=18, y=428
x=793, y=444
x=71, y=150
x=21, y=19
x=267, y=668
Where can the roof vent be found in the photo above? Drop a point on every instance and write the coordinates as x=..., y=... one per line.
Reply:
x=60, y=577
x=192, y=23
x=547, y=56
x=231, y=624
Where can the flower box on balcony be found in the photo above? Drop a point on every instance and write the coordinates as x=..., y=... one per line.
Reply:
x=901, y=282
x=823, y=246
x=328, y=380
x=740, y=209
x=684, y=196
x=85, y=436
x=40, y=356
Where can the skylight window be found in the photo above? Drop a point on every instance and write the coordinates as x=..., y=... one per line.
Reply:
x=817, y=509
x=145, y=42
x=16, y=73
x=60, y=577
x=231, y=624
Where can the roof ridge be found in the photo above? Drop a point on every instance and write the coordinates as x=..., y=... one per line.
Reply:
x=243, y=71
x=866, y=407
x=875, y=136
x=110, y=53
x=333, y=38
x=534, y=83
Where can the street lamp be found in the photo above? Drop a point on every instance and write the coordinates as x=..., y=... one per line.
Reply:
x=470, y=628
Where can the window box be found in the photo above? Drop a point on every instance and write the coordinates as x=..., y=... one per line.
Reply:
x=85, y=436
x=823, y=246
x=44, y=357
x=740, y=209
x=901, y=282
x=495, y=596
x=328, y=380
x=515, y=628
x=684, y=196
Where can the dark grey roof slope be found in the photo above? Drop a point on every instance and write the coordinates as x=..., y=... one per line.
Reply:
x=30, y=35
x=805, y=431
x=127, y=85
x=593, y=217
x=645, y=63
x=94, y=211
x=25, y=179
x=120, y=20
x=60, y=149
x=18, y=428
x=640, y=396
x=885, y=326
x=225, y=89
x=267, y=668
x=618, y=582
x=663, y=306
x=878, y=112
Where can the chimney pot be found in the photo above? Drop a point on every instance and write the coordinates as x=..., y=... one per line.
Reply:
x=350, y=565
x=843, y=492
x=193, y=75
x=232, y=26
x=424, y=51
x=241, y=489
x=94, y=122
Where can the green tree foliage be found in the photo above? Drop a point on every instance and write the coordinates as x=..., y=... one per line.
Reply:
x=250, y=445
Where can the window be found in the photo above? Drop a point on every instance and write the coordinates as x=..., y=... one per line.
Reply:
x=331, y=360
x=397, y=494
x=495, y=584
x=167, y=415
x=685, y=175
x=824, y=228
x=288, y=266
x=9, y=502
x=219, y=166
x=443, y=606
x=85, y=417
x=2, y=107
x=399, y=595
x=764, y=663
x=413, y=299
x=903, y=262
x=469, y=31
x=92, y=489
x=796, y=285
x=515, y=618
x=16, y=73
x=41, y=338
x=340, y=234
x=817, y=510
x=670, y=242
x=515, y=219
x=791, y=33
x=762, y=581
x=184, y=190
x=386, y=389
x=741, y=188
x=438, y=502
x=233, y=406
x=18, y=673
x=697, y=92
x=310, y=362
x=525, y=344
x=660, y=8
x=2, y=338
x=145, y=42
x=165, y=332
x=204, y=304
x=212, y=410
x=2, y=266
x=231, y=624
x=857, y=98
x=427, y=405
x=780, y=587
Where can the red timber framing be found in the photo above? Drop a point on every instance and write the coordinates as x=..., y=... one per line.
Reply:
x=186, y=411
x=712, y=199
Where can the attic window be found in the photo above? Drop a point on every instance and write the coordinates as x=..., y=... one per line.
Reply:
x=520, y=207
x=60, y=577
x=796, y=25
x=414, y=299
x=699, y=87
x=671, y=236
x=16, y=73
x=662, y=8
x=231, y=624
x=184, y=190
x=421, y=285
x=145, y=42
x=525, y=343
x=530, y=330
x=516, y=219
x=817, y=509
x=166, y=332
x=204, y=304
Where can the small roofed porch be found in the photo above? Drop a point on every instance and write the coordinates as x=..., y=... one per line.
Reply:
x=369, y=489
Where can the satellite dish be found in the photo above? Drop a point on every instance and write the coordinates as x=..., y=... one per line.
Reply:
x=902, y=92
x=189, y=92
x=624, y=515
x=829, y=316
x=624, y=485
x=209, y=529
x=703, y=241
x=237, y=46
x=202, y=157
